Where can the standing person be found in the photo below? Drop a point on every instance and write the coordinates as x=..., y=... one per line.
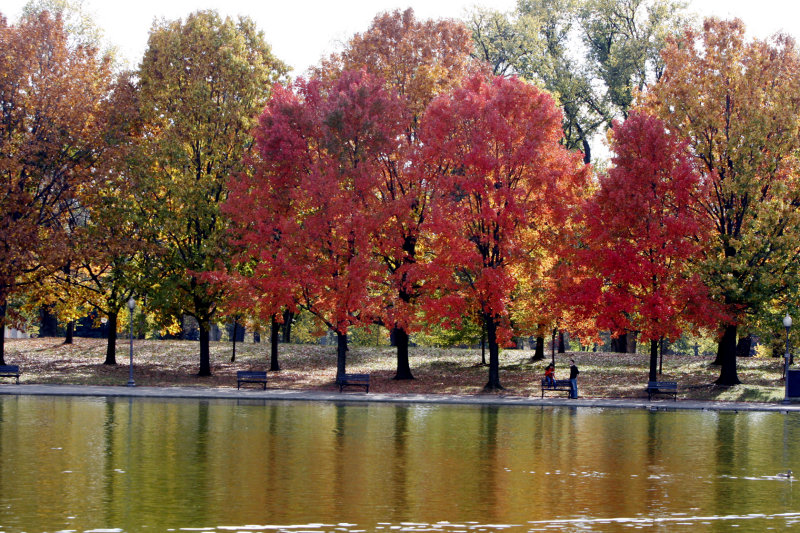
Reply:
x=573, y=378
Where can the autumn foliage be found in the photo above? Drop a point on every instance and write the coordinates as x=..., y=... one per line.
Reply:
x=52, y=136
x=634, y=271
x=400, y=184
x=737, y=105
x=504, y=182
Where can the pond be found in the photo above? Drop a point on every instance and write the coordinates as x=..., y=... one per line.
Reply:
x=105, y=465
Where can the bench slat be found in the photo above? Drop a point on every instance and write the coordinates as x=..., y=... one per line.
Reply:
x=10, y=371
x=662, y=387
x=353, y=380
x=561, y=385
x=251, y=376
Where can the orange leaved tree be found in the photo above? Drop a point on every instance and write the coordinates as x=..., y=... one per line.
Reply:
x=52, y=134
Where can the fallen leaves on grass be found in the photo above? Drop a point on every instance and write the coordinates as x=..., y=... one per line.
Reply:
x=436, y=371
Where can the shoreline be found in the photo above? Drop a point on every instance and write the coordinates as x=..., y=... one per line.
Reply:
x=219, y=393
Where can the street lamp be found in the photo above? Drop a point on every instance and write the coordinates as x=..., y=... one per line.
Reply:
x=131, y=306
x=787, y=323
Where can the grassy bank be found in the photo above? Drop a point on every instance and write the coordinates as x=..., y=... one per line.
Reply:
x=437, y=371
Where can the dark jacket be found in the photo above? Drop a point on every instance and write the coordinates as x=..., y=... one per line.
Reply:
x=573, y=372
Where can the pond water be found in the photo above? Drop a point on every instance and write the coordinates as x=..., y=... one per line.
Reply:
x=106, y=465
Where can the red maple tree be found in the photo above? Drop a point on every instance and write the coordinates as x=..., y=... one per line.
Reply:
x=634, y=268
x=504, y=182
x=306, y=235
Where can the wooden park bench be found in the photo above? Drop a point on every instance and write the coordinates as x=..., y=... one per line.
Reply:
x=9, y=371
x=251, y=376
x=353, y=380
x=662, y=387
x=558, y=385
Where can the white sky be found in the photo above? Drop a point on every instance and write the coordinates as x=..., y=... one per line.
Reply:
x=303, y=31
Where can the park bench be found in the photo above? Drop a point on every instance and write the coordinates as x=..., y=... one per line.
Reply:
x=558, y=385
x=9, y=371
x=353, y=380
x=251, y=376
x=662, y=387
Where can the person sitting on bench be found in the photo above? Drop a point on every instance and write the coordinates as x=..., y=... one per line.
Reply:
x=550, y=375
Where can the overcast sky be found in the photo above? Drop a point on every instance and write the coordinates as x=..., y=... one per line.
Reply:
x=303, y=31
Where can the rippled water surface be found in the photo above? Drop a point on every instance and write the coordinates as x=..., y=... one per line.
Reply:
x=144, y=465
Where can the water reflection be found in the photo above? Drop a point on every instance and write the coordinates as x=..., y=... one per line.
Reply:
x=131, y=465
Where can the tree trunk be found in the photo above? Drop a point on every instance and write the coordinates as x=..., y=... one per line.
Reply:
x=653, y=361
x=288, y=317
x=726, y=352
x=483, y=343
x=631, y=344
x=744, y=345
x=403, y=367
x=2, y=333
x=553, y=351
x=274, y=329
x=233, y=355
x=538, y=353
x=111, y=345
x=494, y=355
x=620, y=344
x=48, y=322
x=341, y=354
x=718, y=360
x=205, y=356
x=561, y=345
x=70, y=334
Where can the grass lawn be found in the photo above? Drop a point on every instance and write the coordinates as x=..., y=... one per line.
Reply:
x=437, y=371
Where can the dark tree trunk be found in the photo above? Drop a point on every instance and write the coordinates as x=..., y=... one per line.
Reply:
x=561, y=345
x=48, y=323
x=538, y=353
x=235, y=327
x=341, y=354
x=744, y=345
x=403, y=366
x=553, y=351
x=727, y=354
x=274, y=330
x=205, y=356
x=2, y=333
x=288, y=317
x=620, y=344
x=494, y=355
x=718, y=360
x=256, y=337
x=70, y=334
x=111, y=345
x=653, y=361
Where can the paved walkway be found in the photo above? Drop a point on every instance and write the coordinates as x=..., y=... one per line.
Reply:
x=361, y=397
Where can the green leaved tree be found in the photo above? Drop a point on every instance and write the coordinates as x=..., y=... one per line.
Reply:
x=202, y=82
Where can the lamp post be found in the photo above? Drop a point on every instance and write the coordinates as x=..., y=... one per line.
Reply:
x=131, y=306
x=787, y=323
